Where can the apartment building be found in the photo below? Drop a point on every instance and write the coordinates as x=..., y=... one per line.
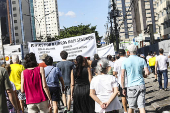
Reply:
x=46, y=18
x=20, y=25
x=163, y=17
x=125, y=20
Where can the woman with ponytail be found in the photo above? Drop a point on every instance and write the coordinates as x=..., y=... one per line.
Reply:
x=81, y=77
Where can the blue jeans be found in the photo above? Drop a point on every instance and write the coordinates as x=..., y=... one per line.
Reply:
x=149, y=68
x=164, y=72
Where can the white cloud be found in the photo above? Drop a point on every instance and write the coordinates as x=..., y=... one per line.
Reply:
x=61, y=13
x=71, y=14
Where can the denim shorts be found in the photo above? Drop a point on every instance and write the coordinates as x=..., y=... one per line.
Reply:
x=136, y=96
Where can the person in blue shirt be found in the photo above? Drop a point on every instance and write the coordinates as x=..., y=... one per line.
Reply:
x=136, y=90
x=53, y=76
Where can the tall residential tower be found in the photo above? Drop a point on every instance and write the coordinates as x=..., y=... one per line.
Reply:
x=46, y=18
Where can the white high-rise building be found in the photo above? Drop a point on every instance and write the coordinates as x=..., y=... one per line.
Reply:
x=46, y=18
x=125, y=20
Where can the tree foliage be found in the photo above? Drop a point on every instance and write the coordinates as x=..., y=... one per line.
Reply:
x=78, y=31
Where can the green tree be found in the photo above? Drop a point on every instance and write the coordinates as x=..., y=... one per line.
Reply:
x=78, y=31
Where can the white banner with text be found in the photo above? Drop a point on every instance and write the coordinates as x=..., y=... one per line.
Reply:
x=84, y=45
x=106, y=50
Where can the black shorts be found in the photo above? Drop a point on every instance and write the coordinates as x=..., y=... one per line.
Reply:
x=121, y=91
x=55, y=93
x=153, y=69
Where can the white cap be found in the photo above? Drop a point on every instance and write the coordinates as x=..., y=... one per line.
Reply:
x=132, y=48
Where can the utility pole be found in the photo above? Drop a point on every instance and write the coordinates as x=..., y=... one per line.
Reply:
x=151, y=31
x=115, y=14
x=3, y=53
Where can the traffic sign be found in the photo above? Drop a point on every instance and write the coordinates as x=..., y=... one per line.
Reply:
x=7, y=58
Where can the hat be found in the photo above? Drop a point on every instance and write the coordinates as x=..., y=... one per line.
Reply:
x=43, y=56
x=132, y=48
x=142, y=55
x=121, y=51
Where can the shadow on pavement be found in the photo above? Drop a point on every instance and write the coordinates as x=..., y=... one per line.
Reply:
x=165, y=108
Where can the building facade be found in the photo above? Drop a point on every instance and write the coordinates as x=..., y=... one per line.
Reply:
x=20, y=25
x=4, y=22
x=163, y=17
x=125, y=20
x=46, y=18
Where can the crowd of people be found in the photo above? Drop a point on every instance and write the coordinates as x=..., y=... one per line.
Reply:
x=93, y=86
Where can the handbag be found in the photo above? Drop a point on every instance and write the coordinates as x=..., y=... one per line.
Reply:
x=49, y=72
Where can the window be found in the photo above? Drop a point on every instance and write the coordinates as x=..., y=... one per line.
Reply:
x=13, y=2
x=161, y=1
x=16, y=28
x=15, y=21
x=14, y=9
x=15, y=15
x=162, y=13
x=16, y=34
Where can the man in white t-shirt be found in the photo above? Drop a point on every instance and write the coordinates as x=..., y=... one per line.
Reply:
x=147, y=58
x=161, y=68
x=117, y=74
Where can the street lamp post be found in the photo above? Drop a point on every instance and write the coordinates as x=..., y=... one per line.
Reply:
x=39, y=21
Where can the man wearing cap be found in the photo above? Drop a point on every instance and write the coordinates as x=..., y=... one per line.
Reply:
x=117, y=73
x=136, y=90
x=43, y=60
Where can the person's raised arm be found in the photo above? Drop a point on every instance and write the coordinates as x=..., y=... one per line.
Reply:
x=44, y=83
x=90, y=74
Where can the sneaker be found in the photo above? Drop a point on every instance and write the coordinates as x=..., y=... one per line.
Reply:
x=160, y=89
x=165, y=89
x=155, y=80
x=65, y=110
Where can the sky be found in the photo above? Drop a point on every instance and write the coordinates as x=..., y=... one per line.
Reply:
x=75, y=12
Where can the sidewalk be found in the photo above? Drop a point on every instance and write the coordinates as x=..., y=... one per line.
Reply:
x=159, y=100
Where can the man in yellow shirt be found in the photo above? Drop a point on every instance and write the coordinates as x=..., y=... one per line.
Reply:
x=15, y=77
x=152, y=62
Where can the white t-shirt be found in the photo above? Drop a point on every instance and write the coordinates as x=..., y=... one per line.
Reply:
x=103, y=86
x=111, y=64
x=162, y=62
x=147, y=58
x=169, y=54
x=117, y=68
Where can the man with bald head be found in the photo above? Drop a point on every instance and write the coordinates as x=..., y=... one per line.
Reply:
x=15, y=77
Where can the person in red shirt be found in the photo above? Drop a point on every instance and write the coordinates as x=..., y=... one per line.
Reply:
x=42, y=64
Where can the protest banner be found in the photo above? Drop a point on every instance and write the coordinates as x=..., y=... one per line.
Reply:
x=84, y=45
x=106, y=50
